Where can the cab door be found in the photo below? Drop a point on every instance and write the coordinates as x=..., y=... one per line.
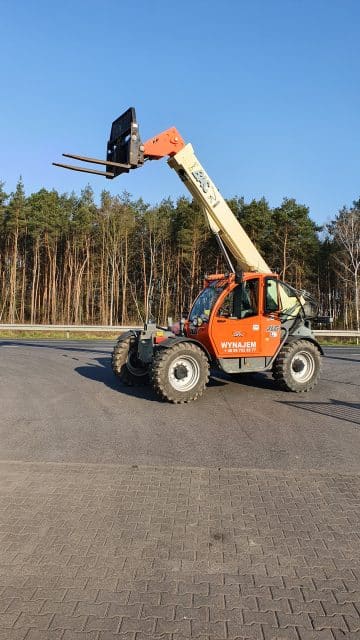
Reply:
x=239, y=326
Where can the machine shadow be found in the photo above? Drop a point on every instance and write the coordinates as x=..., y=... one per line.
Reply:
x=100, y=371
x=257, y=380
x=345, y=411
x=331, y=357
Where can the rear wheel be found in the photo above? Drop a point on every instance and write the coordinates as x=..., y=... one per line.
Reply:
x=125, y=364
x=180, y=373
x=297, y=367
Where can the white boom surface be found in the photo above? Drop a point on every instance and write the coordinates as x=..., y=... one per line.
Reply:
x=220, y=217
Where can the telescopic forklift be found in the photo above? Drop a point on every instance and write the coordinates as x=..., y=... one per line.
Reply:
x=244, y=320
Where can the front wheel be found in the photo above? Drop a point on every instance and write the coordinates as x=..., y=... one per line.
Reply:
x=180, y=373
x=125, y=364
x=297, y=367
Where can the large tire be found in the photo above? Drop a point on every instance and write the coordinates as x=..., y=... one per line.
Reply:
x=180, y=373
x=125, y=364
x=297, y=367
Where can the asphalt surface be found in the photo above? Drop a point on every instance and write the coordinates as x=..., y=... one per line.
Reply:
x=60, y=402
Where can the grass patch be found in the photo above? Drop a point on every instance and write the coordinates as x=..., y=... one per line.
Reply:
x=338, y=342
x=58, y=335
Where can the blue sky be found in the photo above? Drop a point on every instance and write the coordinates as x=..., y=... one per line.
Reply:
x=268, y=93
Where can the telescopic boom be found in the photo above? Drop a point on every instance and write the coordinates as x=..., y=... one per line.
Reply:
x=125, y=151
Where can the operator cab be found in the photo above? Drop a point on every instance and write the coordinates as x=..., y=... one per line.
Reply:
x=235, y=319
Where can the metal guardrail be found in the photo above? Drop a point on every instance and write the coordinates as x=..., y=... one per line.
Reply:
x=330, y=333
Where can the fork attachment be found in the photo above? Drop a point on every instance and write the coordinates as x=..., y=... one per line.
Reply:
x=125, y=150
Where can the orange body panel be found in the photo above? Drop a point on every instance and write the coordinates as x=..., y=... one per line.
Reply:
x=164, y=144
x=229, y=337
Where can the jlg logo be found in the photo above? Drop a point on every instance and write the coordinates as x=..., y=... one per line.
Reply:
x=206, y=186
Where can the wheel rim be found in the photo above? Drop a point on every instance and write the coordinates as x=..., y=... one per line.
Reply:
x=184, y=373
x=132, y=368
x=302, y=366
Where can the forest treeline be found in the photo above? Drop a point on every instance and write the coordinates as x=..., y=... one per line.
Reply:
x=66, y=259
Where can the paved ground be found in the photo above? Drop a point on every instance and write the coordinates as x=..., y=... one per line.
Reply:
x=169, y=542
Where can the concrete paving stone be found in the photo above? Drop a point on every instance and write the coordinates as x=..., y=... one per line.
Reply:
x=56, y=595
x=102, y=595
x=132, y=635
x=345, y=609
x=194, y=613
x=171, y=626
x=286, y=620
x=162, y=611
x=95, y=623
x=90, y=608
x=216, y=630
x=145, y=625
x=313, y=607
x=260, y=617
x=353, y=623
x=242, y=631
x=324, y=634
x=339, y=635
x=200, y=600
x=105, y=584
x=179, y=636
x=325, y=595
x=347, y=596
x=29, y=620
x=13, y=634
x=38, y=634
x=332, y=622
x=4, y=604
x=62, y=608
x=28, y=606
x=81, y=595
x=73, y=623
x=235, y=614
x=80, y=635
x=185, y=599
x=124, y=610
x=223, y=590
x=43, y=580
x=242, y=579
x=269, y=633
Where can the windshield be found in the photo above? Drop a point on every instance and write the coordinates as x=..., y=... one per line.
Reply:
x=205, y=302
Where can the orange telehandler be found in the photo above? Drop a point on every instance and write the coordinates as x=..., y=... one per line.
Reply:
x=244, y=320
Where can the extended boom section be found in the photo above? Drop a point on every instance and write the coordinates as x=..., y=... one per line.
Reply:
x=220, y=217
x=125, y=151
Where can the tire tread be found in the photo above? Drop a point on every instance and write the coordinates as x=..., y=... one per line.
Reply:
x=281, y=368
x=158, y=379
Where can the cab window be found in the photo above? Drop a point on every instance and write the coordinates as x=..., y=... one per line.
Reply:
x=242, y=301
x=271, y=295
